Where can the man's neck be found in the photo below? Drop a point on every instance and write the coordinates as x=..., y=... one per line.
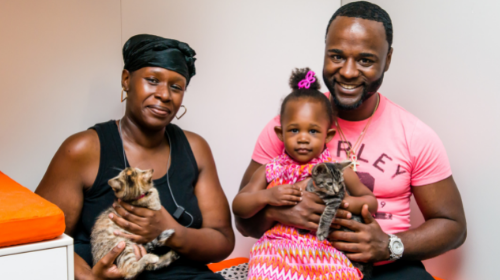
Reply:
x=363, y=112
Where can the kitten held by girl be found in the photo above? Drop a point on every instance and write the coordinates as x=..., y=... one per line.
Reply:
x=284, y=252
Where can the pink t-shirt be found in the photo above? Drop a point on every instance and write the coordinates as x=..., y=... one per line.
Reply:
x=397, y=152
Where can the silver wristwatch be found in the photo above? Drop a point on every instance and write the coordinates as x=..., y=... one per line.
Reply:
x=395, y=247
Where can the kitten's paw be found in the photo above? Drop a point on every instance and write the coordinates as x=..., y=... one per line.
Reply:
x=321, y=235
x=150, y=258
x=165, y=235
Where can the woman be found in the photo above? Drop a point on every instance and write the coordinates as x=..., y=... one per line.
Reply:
x=155, y=76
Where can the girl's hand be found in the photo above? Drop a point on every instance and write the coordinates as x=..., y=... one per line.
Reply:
x=144, y=224
x=284, y=195
x=348, y=204
x=105, y=268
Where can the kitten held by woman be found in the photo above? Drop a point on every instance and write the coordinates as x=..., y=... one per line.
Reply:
x=283, y=252
x=135, y=187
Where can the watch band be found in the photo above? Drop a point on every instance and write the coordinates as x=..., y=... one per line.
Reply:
x=396, y=247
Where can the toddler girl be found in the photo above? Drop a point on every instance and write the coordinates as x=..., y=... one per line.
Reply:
x=282, y=253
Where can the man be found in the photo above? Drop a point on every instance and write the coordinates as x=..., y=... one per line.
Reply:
x=394, y=154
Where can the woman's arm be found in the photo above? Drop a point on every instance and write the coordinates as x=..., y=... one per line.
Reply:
x=254, y=196
x=214, y=241
x=72, y=171
x=69, y=172
x=359, y=194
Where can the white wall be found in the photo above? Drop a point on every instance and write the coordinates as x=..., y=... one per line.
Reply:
x=60, y=65
x=445, y=71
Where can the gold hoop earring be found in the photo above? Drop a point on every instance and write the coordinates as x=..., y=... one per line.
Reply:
x=126, y=95
x=185, y=111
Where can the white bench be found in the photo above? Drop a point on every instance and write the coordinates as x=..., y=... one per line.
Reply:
x=44, y=260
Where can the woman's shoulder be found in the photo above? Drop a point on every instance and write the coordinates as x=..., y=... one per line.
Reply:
x=199, y=146
x=81, y=147
x=78, y=159
x=195, y=139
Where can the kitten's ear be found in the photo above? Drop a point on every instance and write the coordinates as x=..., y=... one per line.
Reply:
x=319, y=169
x=279, y=132
x=147, y=175
x=346, y=163
x=115, y=184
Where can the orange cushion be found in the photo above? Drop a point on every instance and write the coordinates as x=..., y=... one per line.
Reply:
x=25, y=217
x=226, y=264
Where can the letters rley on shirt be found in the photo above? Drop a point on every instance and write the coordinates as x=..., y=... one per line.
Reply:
x=398, y=151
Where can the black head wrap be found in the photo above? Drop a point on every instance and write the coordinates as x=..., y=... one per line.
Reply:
x=149, y=50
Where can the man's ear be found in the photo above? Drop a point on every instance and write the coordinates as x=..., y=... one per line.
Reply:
x=388, y=60
x=329, y=134
x=279, y=132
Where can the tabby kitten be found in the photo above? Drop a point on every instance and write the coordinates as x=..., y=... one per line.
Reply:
x=133, y=186
x=328, y=183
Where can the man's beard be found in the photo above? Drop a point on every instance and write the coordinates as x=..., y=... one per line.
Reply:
x=368, y=91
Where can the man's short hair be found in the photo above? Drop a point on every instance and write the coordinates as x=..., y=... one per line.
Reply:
x=365, y=10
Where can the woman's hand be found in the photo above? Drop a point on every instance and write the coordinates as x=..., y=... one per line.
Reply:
x=367, y=242
x=284, y=195
x=144, y=224
x=105, y=268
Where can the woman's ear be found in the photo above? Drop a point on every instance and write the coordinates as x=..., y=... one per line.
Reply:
x=279, y=132
x=329, y=135
x=125, y=79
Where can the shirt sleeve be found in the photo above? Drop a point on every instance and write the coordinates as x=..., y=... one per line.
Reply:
x=429, y=159
x=268, y=144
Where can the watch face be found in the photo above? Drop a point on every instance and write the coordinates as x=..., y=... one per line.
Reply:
x=397, y=247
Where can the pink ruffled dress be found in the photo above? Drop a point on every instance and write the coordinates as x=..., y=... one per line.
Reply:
x=282, y=253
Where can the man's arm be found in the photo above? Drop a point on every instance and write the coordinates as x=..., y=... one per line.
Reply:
x=444, y=228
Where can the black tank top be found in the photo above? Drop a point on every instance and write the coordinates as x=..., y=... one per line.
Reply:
x=182, y=175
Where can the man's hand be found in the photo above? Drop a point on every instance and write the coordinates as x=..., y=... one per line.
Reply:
x=367, y=242
x=284, y=195
x=144, y=224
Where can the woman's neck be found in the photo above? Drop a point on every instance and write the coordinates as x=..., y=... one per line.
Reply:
x=133, y=132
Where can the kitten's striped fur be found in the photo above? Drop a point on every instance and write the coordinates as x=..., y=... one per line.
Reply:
x=133, y=186
x=328, y=183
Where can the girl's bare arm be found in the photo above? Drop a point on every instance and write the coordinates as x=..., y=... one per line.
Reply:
x=360, y=194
